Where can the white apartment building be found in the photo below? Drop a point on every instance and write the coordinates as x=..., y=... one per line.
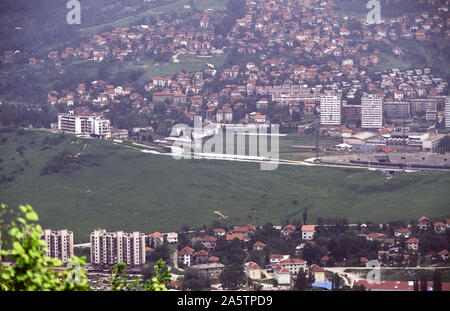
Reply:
x=224, y=116
x=109, y=248
x=84, y=124
x=294, y=265
x=447, y=112
x=330, y=110
x=371, y=112
x=59, y=244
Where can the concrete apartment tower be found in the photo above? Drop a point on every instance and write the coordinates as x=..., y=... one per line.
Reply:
x=59, y=244
x=109, y=248
x=371, y=112
x=447, y=112
x=330, y=109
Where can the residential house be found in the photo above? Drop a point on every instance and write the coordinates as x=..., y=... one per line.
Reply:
x=258, y=246
x=209, y=242
x=412, y=244
x=252, y=270
x=287, y=231
x=294, y=265
x=185, y=256
x=403, y=232
x=171, y=237
x=319, y=273
x=219, y=232
x=439, y=227
x=201, y=256
x=231, y=237
x=443, y=254
x=275, y=259
x=308, y=232
x=424, y=223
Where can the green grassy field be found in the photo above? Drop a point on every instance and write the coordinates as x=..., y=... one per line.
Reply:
x=131, y=190
x=165, y=7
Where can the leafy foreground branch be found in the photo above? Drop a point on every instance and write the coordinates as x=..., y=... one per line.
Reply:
x=24, y=265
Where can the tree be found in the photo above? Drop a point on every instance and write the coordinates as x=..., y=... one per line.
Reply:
x=32, y=270
x=119, y=280
x=335, y=282
x=437, y=283
x=232, y=277
x=305, y=215
x=423, y=283
x=194, y=280
x=416, y=284
x=303, y=280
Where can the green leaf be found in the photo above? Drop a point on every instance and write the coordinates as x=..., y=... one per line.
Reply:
x=17, y=247
x=13, y=231
x=31, y=216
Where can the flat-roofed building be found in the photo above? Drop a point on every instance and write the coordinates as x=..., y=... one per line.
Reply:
x=371, y=112
x=447, y=112
x=84, y=124
x=330, y=109
x=397, y=110
x=110, y=248
x=59, y=244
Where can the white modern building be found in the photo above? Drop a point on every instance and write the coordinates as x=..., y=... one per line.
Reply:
x=371, y=112
x=330, y=110
x=171, y=237
x=59, y=244
x=308, y=232
x=224, y=116
x=282, y=275
x=109, y=248
x=447, y=112
x=84, y=124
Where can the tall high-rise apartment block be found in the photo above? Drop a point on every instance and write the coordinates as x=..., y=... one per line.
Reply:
x=109, y=248
x=330, y=109
x=59, y=244
x=371, y=112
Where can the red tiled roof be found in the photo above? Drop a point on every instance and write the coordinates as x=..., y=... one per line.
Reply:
x=412, y=240
x=293, y=261
x=308, y=228
x=209, y=238
x=423, y=218
x=238, y=236
x=252, y=265
x=273, y=256
x=317, y=268
x=280, y=269
x=403, y=230
x=186, y=251
x=201, y=253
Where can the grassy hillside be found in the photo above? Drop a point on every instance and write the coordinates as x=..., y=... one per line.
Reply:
x=114, y=187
